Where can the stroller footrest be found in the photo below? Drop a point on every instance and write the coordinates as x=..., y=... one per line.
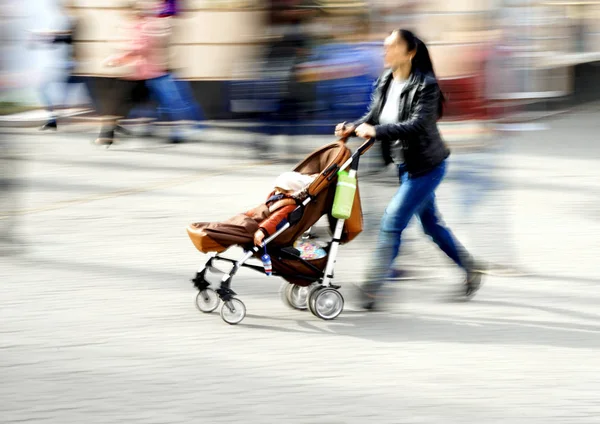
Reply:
x=200, y=282
x=226, y=294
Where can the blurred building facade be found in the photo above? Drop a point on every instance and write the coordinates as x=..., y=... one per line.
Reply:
x=482, y=49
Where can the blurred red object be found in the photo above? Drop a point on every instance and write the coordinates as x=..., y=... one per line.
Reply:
x=466, y=95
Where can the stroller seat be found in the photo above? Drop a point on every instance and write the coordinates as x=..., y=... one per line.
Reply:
x=326, y=161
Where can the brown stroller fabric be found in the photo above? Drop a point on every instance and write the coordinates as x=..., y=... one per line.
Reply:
x=322, y=189
x=219, y=236
x=297, y=271
x=239, y=230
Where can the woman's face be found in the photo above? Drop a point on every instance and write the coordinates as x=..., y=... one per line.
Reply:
x=396, y=52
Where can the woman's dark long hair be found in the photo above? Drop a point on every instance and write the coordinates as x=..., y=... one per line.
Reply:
x=421, y=61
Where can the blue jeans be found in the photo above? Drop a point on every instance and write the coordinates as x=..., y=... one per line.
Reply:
x=414, y=197
x=193, y=111
x=165, y=91
x=187, y=95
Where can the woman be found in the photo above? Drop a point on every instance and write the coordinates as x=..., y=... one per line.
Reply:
x=403, y=115
x=68, y=65
x=148, y=53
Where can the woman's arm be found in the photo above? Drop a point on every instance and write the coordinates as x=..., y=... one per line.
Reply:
x=137, y=48
x=144, y=37
x=424, y=113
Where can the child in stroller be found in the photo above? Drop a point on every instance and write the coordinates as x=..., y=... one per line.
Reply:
x=283, y=200
x=299, y=200
x=260, y=222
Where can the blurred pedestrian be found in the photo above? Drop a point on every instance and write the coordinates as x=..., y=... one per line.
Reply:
x=10, y=158
x=170, y=10
x=406, y=105
x=148, y=53
x=67, y=66
x=289, y=47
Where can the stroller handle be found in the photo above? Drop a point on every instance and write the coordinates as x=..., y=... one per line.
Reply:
x=353, y=160
x=364, y=148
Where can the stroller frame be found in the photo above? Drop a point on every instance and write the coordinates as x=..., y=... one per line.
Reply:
x=321, y=297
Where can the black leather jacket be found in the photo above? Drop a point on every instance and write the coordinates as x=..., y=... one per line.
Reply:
x=415, y=140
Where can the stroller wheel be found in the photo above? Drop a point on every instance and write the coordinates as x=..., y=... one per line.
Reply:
x=207, y=301
x=296, y=297
x=312, y=290
x=233, y=311
x=328, y=303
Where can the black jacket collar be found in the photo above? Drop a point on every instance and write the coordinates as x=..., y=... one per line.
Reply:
x=414, y=79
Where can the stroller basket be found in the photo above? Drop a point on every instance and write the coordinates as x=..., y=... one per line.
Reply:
x=292, y=268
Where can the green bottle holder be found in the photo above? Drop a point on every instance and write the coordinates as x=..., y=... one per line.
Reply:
x=344, y=196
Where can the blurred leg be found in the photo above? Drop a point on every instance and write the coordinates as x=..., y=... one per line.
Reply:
x=194, y=111
x=9, y=192
x=44, y=91
x=166, y=92
x=73, y=81
x=409, y=199
x=442, y=236
x=89, y=85
x=45, y=95
x=434, y=227
x=117, y=105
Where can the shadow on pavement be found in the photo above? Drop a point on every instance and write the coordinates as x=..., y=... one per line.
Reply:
x=551, y=310
x=396, y=327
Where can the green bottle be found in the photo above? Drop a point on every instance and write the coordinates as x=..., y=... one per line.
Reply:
x=344, y=196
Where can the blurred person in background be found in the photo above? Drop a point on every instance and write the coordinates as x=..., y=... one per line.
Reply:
x=148, y=54
x=290, y=46
x=9, y=167
x=404, y=111
x=9, y=158
x=67, y=66
x=170, y=10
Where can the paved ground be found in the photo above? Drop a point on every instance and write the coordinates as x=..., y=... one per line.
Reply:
x=98, y=323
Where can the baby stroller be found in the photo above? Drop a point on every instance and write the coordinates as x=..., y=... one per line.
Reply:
x=310, y=281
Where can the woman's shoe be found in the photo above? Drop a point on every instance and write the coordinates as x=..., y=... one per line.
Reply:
x=365, y=300
x=472, y=284
x=473, y=280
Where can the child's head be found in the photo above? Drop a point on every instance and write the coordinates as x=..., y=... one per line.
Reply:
x=292, y=182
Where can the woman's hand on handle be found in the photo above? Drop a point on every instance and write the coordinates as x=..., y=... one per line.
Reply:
x=344, y=130
x=365, y=131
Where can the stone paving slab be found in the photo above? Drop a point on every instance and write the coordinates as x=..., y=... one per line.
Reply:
x=98, y=322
